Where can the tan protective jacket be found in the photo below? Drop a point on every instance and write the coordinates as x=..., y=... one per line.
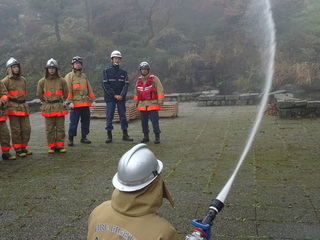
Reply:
x=80, y=90
x=149, y=105
x=3, y=100
x=16, y=87
x=52, y=91
x=132, y=215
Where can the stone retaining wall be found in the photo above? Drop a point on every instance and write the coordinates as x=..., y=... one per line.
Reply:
x=228, y=100
x=289, y=107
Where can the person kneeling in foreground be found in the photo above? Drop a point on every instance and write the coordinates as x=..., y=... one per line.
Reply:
x=131, y=212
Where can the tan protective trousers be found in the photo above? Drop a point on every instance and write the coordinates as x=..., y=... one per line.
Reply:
x=4, y=137
x=20, y=131
x=55, y=131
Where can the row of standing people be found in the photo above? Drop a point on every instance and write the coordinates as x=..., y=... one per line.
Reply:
x=74, y=94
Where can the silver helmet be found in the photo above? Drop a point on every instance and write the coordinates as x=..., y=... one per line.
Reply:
x=12, y=61
x=52, y=63
x=144, y=65
x=137, y=168
x=76, y=59
x=116, y=53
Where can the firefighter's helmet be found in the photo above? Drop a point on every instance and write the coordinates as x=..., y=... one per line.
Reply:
x=144, y=65
x=77, y=59
x=116, y=53
x=52, y=63
x=137, y=168
x=12, y=61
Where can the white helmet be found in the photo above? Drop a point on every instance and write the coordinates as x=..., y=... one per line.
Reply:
x=52, y=63
x=137, y=168
x=116, y=53
x=12, y=61
x=77, y=59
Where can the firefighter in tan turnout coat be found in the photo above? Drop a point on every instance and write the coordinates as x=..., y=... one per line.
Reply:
x=52, y=90
x=80, y=99
x=4, y=131
x=131, y=213
x=17, y=108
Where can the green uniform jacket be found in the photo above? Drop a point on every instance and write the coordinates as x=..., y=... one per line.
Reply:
x=52, y=91
x=16, y=87
x=80, y=90
x=132, y=215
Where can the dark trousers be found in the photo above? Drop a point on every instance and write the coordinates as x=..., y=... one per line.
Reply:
x=76, y=114
x=154, y=118
x=111, y=107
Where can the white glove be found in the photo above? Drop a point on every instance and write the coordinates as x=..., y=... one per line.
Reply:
x=71, y=106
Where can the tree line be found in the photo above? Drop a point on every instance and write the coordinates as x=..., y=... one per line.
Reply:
x=191, y=45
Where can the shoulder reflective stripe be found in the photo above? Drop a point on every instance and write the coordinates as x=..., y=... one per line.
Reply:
x=48, y=93
x=13, y=93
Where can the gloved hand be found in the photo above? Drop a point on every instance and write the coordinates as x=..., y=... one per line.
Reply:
x=93, y=104
x=71, y=106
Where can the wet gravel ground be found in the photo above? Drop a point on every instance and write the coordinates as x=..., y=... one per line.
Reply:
x=275, y=194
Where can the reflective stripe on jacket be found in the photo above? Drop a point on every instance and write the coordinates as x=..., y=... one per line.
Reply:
x=157, y=88
x=16, y=88
x=80, y=90
x=52, y=91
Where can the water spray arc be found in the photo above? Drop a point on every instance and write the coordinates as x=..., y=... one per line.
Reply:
x=268, y=49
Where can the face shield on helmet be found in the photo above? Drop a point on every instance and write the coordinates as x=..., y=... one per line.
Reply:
x=52, y=63
x=137, y=168
x=77, y=59
x=12, y=61
x=144, y=65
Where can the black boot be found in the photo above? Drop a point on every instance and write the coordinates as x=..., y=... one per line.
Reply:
x=145, y=138
x=70, y=142
x=85, y=140
x=125, y=136
x=157, y=138
x=109, y=140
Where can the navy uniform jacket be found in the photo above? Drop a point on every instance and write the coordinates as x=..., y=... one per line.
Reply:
x=114, y=82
